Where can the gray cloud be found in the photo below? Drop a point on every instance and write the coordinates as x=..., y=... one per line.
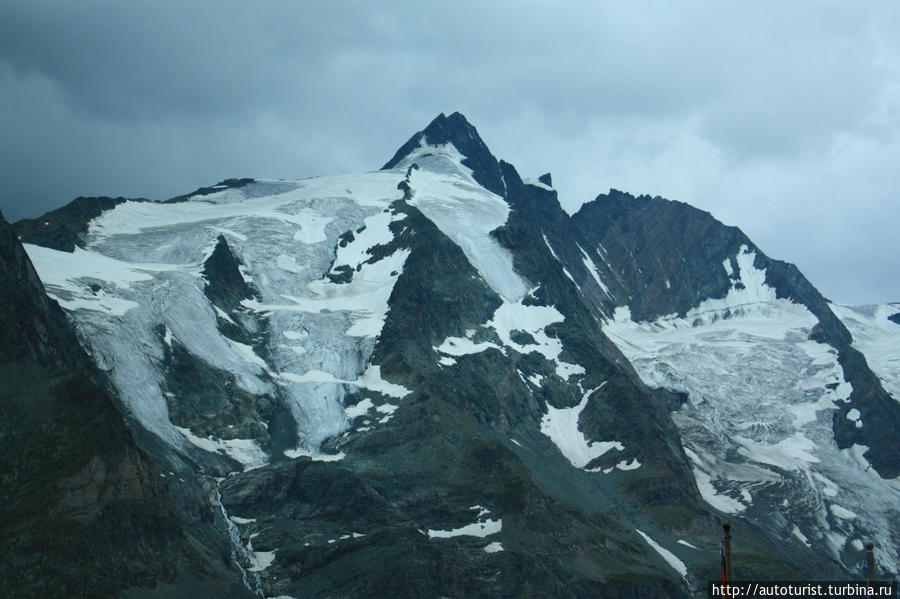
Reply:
x=781, y=119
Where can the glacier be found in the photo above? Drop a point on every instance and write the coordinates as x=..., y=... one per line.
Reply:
x=757, y=423
x=141, y=272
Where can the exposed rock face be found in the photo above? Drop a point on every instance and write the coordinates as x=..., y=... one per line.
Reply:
x=499, y=415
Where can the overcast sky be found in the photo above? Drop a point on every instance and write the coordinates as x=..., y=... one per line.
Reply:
x=782, y=118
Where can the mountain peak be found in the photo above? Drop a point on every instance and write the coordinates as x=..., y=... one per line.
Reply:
x=457, y=131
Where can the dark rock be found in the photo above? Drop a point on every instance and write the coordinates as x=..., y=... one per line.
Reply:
x=64, y=228
x=546, y=179
x=225, y=286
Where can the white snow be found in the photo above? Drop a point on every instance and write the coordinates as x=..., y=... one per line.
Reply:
x=480, y=528
x=512, y=316
x=245, y=451
x=476, y=529
x=461, y=346
x=592, y=269
x=493, y=547
x=726, y=264
x=708, y=492
x=795, y=530
x=626, y=465
x=842, y=512
x=359, y=409
x=561, y=426
x=686, y=544
x=314, y=455
x=516, y=316
x=877, y=338
x=667, y=555
x=388, y=411
x=259, y=560
x=369, y=379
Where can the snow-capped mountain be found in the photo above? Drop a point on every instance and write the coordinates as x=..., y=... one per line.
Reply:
x=431, y=380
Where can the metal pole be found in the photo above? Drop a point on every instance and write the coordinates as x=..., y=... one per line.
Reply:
x=870, y=561
x=729, y=575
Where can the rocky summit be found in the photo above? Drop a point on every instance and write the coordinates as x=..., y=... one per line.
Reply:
x=430, y=381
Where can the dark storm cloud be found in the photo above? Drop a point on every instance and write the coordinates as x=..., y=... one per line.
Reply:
x=783, y=119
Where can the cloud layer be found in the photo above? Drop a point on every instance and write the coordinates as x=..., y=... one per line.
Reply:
x=783, y=119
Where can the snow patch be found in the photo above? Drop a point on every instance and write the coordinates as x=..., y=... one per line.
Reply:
x=842, y=512
x=561, y=426
x=314, y=455
x=795, y=530
x=592, y=269
x=480, y=528
x=245, y=451
x=667, y=555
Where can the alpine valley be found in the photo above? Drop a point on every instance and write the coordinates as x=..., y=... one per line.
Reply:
x=429, y=381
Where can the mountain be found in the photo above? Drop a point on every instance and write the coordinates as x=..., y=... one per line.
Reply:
x=431, y=380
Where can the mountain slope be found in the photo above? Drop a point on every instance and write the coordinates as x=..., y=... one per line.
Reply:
x=84, y=511
x=431, y=380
